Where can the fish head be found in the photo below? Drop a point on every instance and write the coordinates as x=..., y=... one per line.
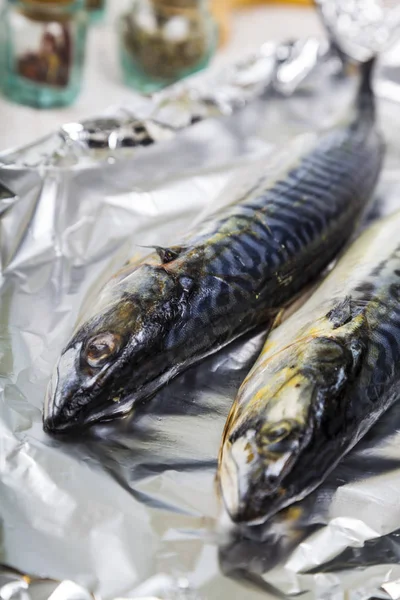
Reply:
x=113, y=355
x=275, y=422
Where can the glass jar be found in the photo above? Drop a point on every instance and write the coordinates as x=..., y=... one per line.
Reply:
x=162, y=41
x=96, y=9
x=44, y=51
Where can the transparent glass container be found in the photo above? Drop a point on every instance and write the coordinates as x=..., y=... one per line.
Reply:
x=162, y=41
x=44, y=43
x=96, y=9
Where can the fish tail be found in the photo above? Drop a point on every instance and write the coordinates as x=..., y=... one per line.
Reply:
x=365, y=103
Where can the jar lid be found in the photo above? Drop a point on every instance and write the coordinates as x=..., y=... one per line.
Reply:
x=46, y=11
x=55, y=3
x=179, y=3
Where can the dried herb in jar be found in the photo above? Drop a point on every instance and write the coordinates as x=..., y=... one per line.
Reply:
x=168, y=39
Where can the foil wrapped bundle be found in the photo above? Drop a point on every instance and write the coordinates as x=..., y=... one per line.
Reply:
x=130, y=510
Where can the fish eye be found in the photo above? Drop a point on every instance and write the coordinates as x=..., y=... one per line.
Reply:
x=277, y=432
x=279, y=437
x=100, y=348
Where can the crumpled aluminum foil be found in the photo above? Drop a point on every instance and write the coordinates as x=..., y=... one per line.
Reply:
x=129, y=510
x=116, y=135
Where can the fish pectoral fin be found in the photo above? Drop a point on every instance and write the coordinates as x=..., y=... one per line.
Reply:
x=168, y=254
x=343, y=312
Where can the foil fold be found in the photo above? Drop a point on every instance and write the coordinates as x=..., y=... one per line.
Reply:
x=280, y=68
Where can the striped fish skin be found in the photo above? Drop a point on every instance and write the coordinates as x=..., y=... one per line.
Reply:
x=322, y=380
x=155, y=319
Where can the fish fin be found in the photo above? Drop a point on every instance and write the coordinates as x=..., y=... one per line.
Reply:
x=343, y=312
x=365, y=103
x=168, y=254
x=365, y=96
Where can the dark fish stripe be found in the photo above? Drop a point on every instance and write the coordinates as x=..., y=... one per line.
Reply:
x=289, y=204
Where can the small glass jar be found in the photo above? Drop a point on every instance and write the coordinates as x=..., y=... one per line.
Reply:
x=44, y=51
x=162, y=41
x=96, y=9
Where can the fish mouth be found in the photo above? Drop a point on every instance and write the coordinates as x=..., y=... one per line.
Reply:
x=53, y=420
x=58, y=421
x=248, y=496
x=68, y=409
x=58, y=426
x=237, y=468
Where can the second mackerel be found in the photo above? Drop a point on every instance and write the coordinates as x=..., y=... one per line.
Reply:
x=323, y=379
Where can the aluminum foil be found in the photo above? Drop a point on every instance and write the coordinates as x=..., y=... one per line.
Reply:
x=129, y=509
x=121, y=131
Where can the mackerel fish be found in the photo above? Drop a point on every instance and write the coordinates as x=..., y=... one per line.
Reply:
x=234, y=272
x=323, y=378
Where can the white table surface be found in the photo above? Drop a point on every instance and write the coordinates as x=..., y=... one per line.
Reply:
x=102, y=84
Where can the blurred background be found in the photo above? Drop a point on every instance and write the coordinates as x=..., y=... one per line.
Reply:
x=126, y=48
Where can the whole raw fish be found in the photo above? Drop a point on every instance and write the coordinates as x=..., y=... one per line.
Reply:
x=322, y=380
x=154, y=319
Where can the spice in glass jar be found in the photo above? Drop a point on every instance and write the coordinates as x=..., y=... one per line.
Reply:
x=44, y=51
x=162, y=41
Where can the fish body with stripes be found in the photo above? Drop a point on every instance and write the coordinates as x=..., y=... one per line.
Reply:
x=236, y=271
x=322, y=380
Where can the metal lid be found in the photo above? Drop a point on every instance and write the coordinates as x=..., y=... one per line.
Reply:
x=46, y=11
x=52, y=3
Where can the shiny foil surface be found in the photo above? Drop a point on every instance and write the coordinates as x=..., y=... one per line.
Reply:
x=129, y=509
